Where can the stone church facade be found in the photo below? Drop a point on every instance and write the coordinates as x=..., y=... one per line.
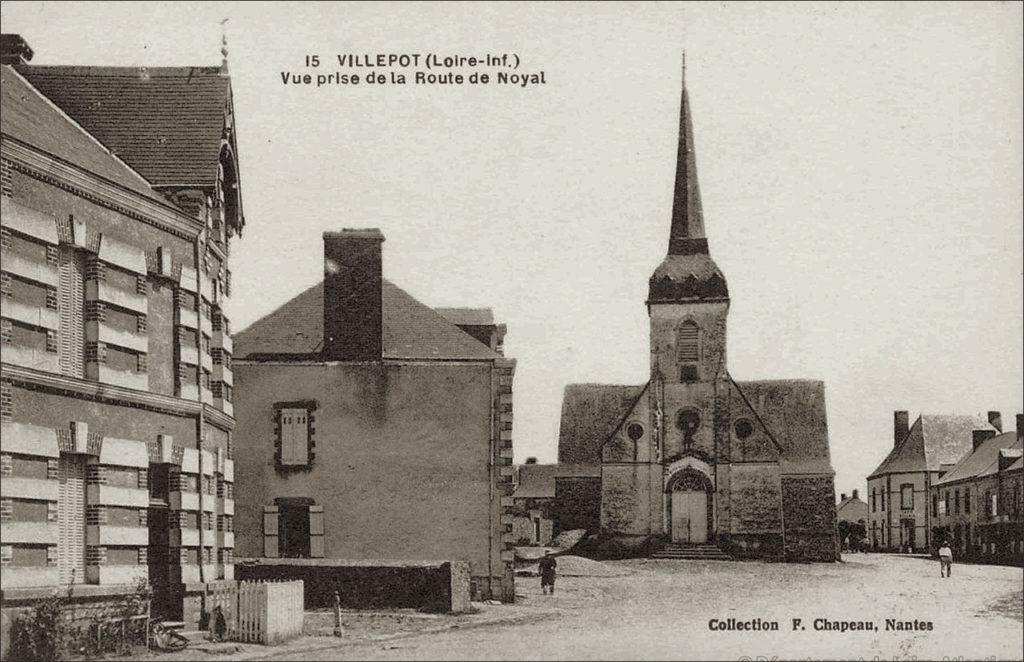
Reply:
x=694, y=456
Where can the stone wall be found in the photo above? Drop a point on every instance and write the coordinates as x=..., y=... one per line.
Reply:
x=434, y=586
x=577, y=504
x=809, y=518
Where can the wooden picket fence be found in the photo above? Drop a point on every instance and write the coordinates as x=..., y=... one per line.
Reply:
x=268, y=612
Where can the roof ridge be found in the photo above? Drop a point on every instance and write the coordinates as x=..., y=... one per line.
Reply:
x=78, y=126
x=114, y=71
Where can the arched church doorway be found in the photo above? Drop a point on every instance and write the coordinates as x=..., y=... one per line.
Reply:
x=690, y=507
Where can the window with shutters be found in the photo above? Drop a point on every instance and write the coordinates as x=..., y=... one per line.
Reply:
x=294, y=428
x=294, y=437
x=688, y=351
x=293, y=528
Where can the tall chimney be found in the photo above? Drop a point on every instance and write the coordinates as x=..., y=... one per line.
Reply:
x=14, y=50
x=842, y=496
x=995, y=419
x=978, y=437
x=855, y=494
x=353, y=325
x=900, y=426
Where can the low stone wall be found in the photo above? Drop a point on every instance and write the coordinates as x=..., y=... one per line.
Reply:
x=435, y=586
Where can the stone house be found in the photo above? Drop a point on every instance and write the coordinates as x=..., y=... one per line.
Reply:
x=899, y=488
x=851, y=509
x=694, y=456
x=120, y=196
x=978, y=505
x=371, y=427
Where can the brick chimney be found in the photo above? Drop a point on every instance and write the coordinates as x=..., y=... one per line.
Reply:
x=900, y=426
x=353, y=276
x=14, y=49
x=855, y=492
x=978, y=437
x=842, y=496
x=995, y=419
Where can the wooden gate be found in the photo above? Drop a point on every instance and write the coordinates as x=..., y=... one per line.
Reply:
x=269, y=612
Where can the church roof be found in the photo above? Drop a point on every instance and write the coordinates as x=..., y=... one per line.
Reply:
x=411, y=330
x=165, y=122
x=933, y=440
x=30, y=118
x=590, y=414
x=793, y=411
x=982, y=461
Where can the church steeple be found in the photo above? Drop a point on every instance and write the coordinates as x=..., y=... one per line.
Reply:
x=687, y=234
x=687, y=273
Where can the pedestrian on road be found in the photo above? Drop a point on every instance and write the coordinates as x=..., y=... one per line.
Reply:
x=945, y=560
x=547, y=573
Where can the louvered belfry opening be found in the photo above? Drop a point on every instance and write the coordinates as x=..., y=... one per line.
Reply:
x=688, y=343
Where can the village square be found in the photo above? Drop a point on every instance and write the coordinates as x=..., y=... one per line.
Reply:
x=342, y=475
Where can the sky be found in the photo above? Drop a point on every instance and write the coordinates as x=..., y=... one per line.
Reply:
x=860, y=167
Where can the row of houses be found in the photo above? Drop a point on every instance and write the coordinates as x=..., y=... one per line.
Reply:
x=955, y=479
x=355, y=421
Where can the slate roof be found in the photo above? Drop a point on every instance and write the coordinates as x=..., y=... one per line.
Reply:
x=468, y=316
x=537, y=481
x=983, y=461
x=590, y=414
x=793, y=410
x=165, y=122
x=933, y=440
x=30, y=118
x=411, y=330
x=852, y=510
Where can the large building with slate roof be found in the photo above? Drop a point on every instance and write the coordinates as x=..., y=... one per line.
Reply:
x=373, y=427
x=898, y=489
x=695, y=457
x=120, y=198
x=978, y=505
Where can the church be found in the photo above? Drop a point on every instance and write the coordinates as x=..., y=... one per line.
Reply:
x=695, y=458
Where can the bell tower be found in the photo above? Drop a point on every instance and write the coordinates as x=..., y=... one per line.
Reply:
x=688, y=302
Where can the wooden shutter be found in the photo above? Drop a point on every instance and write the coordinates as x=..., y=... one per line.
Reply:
x=300, y=436
x=316, y=532
x=294, y=437
x=270, y=533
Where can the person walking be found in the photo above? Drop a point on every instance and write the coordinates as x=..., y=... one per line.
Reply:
x=945, y=560
x=547, y=573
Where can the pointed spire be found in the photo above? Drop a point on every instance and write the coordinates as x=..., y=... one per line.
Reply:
x=687, y=234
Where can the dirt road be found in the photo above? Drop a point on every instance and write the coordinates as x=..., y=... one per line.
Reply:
x=664, y=609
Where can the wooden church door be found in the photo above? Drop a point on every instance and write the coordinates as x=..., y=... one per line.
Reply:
x=689, y=516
